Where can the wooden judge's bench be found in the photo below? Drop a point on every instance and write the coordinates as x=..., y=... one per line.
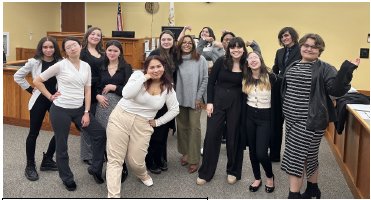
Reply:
x=133, y=47
x=15, y=99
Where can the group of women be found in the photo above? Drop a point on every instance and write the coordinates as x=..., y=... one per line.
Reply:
x=134, y=112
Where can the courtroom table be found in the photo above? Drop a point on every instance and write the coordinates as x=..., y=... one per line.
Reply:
x=15, y=102
x=352, y=150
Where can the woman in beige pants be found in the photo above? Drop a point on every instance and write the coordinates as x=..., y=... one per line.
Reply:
x=131, y=123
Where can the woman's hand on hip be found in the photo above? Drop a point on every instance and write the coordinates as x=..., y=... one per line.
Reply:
x=54, y=96
x=152, y=122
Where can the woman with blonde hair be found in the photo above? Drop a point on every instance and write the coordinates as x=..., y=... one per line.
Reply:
x=261, y=103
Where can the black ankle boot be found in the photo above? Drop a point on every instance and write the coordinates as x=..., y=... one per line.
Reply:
x=30, y=171
x=311, y=191
x=294, y=195
x=48, y=164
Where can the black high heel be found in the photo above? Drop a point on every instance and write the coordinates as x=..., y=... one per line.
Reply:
x=255, y=188
x=312, y=190
x=270, y=189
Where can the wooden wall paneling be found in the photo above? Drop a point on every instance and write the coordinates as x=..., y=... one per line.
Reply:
x=339, y=142
x=363, y=177
x=352, y=142
x=24, y=99
x=24, y=53
x=11, y=100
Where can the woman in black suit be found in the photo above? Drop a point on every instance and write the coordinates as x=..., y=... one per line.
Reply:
x=288, y=39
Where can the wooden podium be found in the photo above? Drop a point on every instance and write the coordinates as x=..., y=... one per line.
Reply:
x=133, y=47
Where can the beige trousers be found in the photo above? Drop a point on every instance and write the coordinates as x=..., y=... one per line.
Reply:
x=189, y=133
x=128, y=137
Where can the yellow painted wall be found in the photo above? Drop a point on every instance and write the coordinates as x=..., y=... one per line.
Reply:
x=22, y=19
x=135, y=18
x=343, y=26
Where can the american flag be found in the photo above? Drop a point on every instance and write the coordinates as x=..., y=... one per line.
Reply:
x=119, y=19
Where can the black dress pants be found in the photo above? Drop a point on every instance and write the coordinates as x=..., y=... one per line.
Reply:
x=37, y=114
x=157, y=149
x=61, y=119
x=224, y=114
x=258, y=126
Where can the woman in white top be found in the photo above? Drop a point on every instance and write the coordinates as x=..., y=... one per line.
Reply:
x=74, y=84
x=131, y=123
x=47, y=54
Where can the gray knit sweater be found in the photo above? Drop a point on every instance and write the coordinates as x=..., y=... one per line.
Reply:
x=191, y=82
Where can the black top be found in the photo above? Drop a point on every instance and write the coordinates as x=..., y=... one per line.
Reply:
x=222, y=77
x=279, y=66
x=95, y=65
x=51, y=83
x=120, y=78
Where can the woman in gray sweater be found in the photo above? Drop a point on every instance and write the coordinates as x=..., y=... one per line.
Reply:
x=191, y=86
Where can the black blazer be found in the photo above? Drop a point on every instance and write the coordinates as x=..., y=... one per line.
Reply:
x=279, y=66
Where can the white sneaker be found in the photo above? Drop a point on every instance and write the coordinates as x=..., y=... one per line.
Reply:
x=200, y=181
x=148, y=182
x=231, y=179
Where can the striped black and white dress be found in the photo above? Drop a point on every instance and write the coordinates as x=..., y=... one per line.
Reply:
x=301, y=144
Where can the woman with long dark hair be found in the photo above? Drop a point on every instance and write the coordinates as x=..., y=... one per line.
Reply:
x=114, y=75
x=131, y=123
x=224, y=105
x=47, y=54
x=156, y=159
x=92, y=52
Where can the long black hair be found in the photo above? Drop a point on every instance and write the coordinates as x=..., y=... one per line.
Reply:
x=235, y=42
x=122, y=62
x=169, y=56
x=85, y=42
x=39, y=49
x=211, y=32
x=194, y=54
x=165, y=79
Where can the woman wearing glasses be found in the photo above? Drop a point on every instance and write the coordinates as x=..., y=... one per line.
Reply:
x=191, y=93
x=74, y=87
x=307, y=109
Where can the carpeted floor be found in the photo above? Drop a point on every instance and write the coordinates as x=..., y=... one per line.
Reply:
x=174, y=183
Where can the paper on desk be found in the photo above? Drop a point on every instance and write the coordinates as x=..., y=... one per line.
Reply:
x=360, y=107
x=364, y=115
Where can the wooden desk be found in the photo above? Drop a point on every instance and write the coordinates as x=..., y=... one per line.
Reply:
x=15, y=102
x=352, y=152
x=133, y=47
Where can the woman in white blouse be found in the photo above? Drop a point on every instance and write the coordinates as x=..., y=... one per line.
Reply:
x=131, y=123
x=74, y=85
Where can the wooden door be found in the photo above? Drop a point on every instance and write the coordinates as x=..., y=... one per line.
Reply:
x=73, y=16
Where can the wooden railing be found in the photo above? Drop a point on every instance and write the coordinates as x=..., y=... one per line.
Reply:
x=352, y=151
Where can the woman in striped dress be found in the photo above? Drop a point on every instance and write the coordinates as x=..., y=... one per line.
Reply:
x=308, y=109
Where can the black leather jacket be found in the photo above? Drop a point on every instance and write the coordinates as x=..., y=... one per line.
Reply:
x=326, y=80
